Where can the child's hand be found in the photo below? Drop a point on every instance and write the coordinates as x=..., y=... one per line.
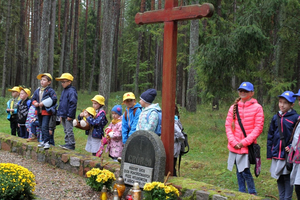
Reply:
x=8, y=109
x=41, y=104
x=238, y=146
x=81, y=114
x=50, y=132
x=287, y=149
x=86, y=114
x=36, y=104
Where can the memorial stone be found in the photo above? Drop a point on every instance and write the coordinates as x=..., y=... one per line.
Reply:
x=143, y=159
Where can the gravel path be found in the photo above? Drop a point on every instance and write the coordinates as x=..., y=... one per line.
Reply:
x=52, y=182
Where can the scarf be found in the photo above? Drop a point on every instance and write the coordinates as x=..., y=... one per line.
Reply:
x=115, y=121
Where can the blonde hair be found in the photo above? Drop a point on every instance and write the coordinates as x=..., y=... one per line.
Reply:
x=235, y=105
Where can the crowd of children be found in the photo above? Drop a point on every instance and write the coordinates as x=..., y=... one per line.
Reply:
x=35, y=118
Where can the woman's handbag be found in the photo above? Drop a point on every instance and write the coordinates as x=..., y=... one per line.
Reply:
x=253, y=149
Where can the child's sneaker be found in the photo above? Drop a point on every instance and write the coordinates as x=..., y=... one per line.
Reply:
x=41, y=144
x=46, y=145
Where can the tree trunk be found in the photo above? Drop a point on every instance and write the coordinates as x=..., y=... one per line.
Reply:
x=59, y=13
x=6, y=48
x=43, y=59
x=84, y=47
x=140, y=42
x=20, y=52
x=68, y=40
x=75, y=50
x=116, y=42
x=62, y=51
x=34, y=42
x=298, y=69
x=192, y=83
x=52, y=36
x=105, y=58
x=95, y=46
x=260, y=89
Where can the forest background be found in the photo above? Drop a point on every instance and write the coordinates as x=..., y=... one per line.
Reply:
x=98, y=42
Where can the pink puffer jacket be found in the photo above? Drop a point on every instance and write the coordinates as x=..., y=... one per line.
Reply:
x=252, y=117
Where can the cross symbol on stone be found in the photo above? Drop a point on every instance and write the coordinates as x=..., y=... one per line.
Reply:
x=169, y=16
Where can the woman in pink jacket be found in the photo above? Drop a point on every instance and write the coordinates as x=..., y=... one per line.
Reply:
x=252, y=117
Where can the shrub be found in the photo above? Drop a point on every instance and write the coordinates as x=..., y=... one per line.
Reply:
x=96, y=178
x=158, y=190
x=16, y=182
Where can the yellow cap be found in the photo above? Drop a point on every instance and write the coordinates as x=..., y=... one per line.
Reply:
x=91, y=110
x=26, y=90
x=65, y=76
x=100, y=99
x=44, y=74
x=14, y=89
x=128, y=95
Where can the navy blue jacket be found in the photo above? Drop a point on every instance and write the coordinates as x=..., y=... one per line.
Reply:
x=68, y=103
x=275, y=149
x=48, y=93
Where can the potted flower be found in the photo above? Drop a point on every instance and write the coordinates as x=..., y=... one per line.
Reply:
x=17, y=182
x=96, y=178
x=158, y=190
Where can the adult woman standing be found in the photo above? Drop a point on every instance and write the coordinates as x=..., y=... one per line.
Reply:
x=252, y=118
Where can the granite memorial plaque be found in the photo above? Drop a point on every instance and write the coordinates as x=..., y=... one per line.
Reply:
x=143, y=159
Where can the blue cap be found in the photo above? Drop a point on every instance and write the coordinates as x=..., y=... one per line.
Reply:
x=117, y=109
x=297, y=94
x=289, y=96
x=246, y=86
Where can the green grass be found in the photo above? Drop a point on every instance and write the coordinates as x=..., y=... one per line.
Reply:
x=207, y=159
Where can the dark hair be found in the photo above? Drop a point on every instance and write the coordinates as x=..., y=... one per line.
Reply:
x=177, y=111
x=235, y=104
x=48, y=78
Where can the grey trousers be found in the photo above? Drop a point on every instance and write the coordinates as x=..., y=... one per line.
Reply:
x=68, y=129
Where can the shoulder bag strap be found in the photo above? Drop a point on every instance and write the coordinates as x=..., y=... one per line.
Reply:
x=240, y=121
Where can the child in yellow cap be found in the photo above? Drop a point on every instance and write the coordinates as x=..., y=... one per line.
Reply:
x=11, y=110
x=67, y=109
x=23, y=107
x=98, y=122
x=44, y=98
x=131, y=115
x=81, y=122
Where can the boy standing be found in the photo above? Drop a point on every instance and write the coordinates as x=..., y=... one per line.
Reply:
x=43, y=99
x=67, y=109
x=11, y=110
x=279, y=142
x=149, y=119
x=23, y=108
x=131, y=115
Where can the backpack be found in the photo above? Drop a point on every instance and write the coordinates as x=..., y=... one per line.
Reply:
x=185, y=148
x=158, y=127
x=134, y=110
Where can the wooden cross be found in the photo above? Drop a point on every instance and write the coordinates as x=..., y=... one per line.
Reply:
x=169, y=16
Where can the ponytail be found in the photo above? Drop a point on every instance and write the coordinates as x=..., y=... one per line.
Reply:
x=234, y=111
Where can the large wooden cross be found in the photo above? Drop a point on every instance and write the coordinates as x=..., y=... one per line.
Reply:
x=169, y=16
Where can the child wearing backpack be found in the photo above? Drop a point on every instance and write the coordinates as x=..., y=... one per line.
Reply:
x=96, y=133
x=150, y=117
x=279, y=143
x=178, y=138
x=23, y=107
x=252, y=118
x=131, y=115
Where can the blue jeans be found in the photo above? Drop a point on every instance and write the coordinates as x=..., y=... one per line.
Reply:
x=245, y=177
x=284, y=187
x=23, y=132
x=44, y=126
